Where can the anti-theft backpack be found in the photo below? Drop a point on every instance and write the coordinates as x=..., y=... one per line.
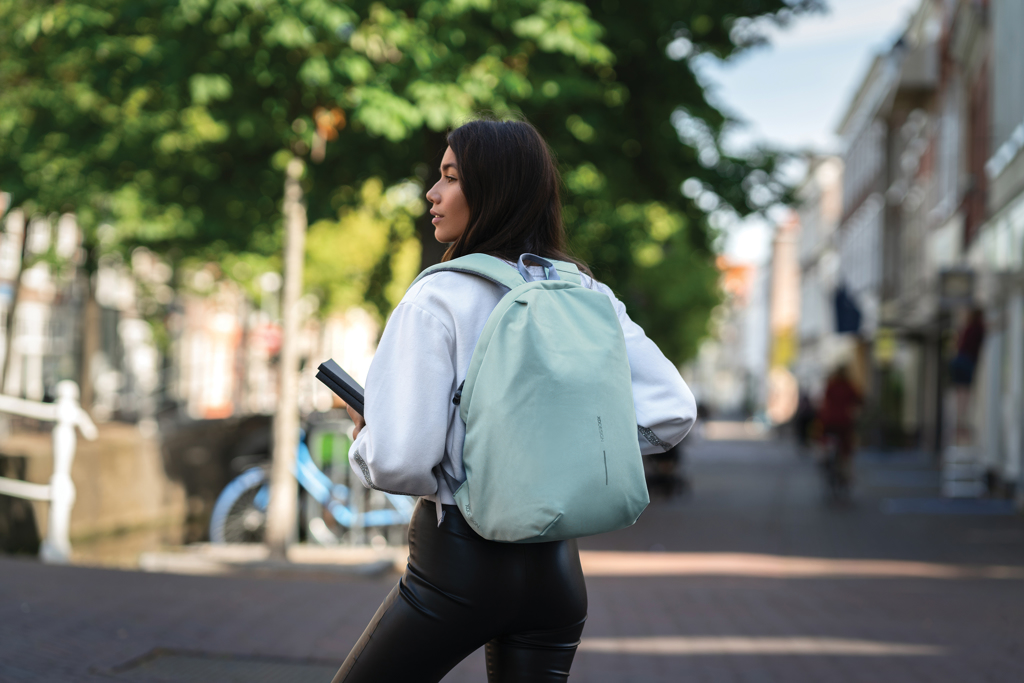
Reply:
x=551, y=448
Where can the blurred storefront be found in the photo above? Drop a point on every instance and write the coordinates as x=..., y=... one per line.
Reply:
x=729, y=374
x=858, y=243
x=180, y=374
x=40, y=302
x=927, y=247
x=821, y=347
x=225, y=352
x=996, y=255
x=218, y=357
x=142, y=350
x=783, y=321
x=855, y=258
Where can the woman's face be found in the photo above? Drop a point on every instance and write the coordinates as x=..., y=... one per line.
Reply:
x=450, y=210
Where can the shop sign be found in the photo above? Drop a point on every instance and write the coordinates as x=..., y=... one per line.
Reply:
x=956, y=288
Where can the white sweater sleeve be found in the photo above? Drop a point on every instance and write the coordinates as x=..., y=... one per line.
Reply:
x=665, y=407
x=408, y=396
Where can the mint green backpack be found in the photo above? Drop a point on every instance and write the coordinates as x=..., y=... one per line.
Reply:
x=551, y=449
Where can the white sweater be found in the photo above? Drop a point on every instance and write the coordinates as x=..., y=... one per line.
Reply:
x=412, y=426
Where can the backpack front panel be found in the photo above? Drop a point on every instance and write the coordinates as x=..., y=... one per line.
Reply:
x=551, y=448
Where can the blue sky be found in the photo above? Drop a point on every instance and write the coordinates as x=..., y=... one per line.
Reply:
x=792, y=92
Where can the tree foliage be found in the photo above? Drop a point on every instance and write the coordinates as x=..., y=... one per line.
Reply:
x=172, y=120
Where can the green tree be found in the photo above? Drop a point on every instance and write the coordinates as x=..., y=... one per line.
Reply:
x=173, y=120
x=629, y=134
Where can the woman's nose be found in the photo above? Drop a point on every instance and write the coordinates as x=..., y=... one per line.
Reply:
x=433, y=196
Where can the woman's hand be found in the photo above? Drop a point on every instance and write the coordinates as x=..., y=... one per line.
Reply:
x=357, y=419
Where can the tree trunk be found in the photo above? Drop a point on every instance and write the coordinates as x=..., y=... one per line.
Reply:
x=17, y=226
x=281, y=512
x=90, y=343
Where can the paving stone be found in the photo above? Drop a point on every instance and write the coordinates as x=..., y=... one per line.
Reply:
x=85, y=624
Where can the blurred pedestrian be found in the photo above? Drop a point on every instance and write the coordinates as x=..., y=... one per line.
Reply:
x=839, y=407
x=525, y=602
x=961, y=370
x=804, y=418
x=968, y=349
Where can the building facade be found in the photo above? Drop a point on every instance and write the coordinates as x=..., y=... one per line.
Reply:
x=996, y=249
x=819, y=208
x=919, y=190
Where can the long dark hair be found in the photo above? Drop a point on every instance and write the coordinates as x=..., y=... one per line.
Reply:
x=511, y=185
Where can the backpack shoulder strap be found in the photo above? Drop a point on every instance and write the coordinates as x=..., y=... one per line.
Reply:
x=496, y=270
x=487, y=267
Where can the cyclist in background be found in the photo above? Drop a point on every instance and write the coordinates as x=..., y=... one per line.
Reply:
x=839, y=408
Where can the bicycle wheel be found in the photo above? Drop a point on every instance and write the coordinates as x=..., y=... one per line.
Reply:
x=239, y=516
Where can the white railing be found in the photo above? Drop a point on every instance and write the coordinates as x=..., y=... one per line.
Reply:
x=56, y=547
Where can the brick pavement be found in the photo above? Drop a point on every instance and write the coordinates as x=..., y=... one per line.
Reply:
x=79, y=624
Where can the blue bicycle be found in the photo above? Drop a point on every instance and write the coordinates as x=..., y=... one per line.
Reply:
x=334, y=512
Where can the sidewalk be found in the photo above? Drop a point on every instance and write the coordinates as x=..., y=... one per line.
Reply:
x=749, y=578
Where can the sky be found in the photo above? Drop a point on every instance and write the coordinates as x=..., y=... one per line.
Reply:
x=792, y=92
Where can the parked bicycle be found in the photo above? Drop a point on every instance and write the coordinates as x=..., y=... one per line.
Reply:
x=333, y=512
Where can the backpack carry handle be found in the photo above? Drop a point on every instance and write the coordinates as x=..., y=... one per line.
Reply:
x=549, y=268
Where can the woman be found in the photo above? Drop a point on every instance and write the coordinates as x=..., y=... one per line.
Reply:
x=498, y=194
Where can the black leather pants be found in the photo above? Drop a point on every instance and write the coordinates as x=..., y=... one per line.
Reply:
x=526, y=603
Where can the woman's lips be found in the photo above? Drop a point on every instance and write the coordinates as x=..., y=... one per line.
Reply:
x=435, y=219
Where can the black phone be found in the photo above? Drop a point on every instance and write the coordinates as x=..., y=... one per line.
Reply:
x=341, y=383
